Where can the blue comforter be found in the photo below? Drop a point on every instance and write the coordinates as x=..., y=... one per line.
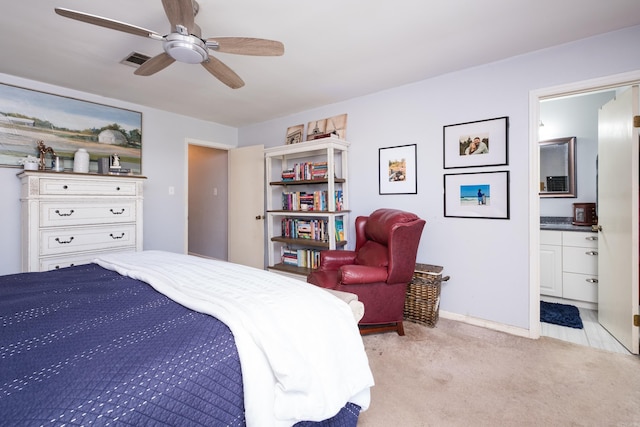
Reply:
x=84, y=345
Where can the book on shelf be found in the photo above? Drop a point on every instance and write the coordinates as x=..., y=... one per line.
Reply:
x=306, y=258
x=315, y=201
x=339, y=229
x=297, y=228
x=307, y=171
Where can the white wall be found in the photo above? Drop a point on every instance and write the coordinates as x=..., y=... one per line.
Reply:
x=163, y=159
x=488, y=260
x=574, y=116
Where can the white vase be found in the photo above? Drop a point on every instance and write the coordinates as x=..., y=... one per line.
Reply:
x=81, y=161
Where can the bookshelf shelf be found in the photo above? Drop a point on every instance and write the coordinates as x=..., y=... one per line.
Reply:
x=316, y=207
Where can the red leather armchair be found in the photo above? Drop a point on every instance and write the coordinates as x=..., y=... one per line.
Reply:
x=379, y=268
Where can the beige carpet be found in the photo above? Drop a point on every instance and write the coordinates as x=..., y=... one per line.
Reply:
x=461, y=375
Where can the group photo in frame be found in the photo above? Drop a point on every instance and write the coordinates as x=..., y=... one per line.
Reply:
x=397, y=172
x=479, y=143
x=64, y=125
x=477, y=195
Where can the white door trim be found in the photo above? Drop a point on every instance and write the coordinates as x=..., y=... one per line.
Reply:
x=607, y=82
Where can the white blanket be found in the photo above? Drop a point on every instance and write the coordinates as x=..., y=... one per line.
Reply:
x=301, y=352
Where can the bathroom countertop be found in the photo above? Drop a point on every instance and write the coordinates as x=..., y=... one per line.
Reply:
x=561, y=223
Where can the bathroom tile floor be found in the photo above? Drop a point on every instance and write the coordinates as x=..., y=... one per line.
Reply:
x=592, y=334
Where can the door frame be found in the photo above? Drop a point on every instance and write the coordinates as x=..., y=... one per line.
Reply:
x=535, y=96
x=202, y=143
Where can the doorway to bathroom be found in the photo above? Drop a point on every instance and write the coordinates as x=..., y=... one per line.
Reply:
x=572, y=110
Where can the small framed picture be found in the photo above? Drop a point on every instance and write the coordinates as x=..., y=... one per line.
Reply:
x=480, y=143
x=477, y=195
x=397, y=170
x=294, y=134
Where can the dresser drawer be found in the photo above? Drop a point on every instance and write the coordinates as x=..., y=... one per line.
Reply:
x=57, y=262
x=80, y=239
x=580, y=260
x=581, y=239
x=86, y=187
x=582, y=287
x=68, y=213
x=550, y=237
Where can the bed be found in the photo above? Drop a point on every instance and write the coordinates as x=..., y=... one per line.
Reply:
x=161, y=338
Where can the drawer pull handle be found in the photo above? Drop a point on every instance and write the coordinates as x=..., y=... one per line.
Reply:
x=592, y=280
x=592, y=238
x=116, y=237
x=117, y=188
x=64, y=242
x=591, y=253
x=58, y=267
x=117, y=213
x=65, y=187
x=64, y=214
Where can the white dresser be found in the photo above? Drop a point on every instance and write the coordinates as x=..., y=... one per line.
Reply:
x=67, y=218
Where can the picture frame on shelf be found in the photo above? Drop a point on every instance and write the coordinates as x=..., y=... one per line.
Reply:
x=476, y=144
x=477, y=195
x=66, y=124
x=295, y=134
x=397, y=173
x=332, y=126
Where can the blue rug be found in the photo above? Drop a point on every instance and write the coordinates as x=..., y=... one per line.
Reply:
x=560, y=314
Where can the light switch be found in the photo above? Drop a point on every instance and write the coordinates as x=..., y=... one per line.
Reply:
x=172, y=190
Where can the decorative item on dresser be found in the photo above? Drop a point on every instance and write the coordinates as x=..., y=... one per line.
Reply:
x=69, y=219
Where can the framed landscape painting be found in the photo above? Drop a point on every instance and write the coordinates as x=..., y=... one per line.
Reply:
x=66, y=124
x=477, y=195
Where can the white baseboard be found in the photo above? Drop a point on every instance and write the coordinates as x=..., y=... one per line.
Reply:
x=501, y=327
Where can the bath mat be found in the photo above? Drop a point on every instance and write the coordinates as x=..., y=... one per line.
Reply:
x=560, y=314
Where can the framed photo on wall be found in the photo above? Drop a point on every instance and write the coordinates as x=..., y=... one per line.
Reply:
x=479, y=143
x=397, y=170
x=477, y=195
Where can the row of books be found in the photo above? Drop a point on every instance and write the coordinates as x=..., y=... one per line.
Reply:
x=305, y=171
x=307, y=201
x=298, y=228
x=306, y=258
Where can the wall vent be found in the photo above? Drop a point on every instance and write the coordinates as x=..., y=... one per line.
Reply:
x=135, y=59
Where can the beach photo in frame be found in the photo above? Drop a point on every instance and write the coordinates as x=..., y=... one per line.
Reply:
x=398, y=170
x=479, y=143
x=65, y=125
x=477, y=195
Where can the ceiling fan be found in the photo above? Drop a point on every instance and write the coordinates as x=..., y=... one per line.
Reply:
x=184, y=43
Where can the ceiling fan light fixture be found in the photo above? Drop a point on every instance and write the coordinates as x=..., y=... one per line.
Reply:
x=188, y=49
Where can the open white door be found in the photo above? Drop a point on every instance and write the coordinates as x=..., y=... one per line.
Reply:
x=618, y=218
x=246, y=206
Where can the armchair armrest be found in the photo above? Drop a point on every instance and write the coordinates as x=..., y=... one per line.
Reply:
x=362, y=274
x=333, y=259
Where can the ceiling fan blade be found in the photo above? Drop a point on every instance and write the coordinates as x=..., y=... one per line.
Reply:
x=223, y=73
x=180, y=12
x=155, y=64
x=107, y=23
x=247, y=46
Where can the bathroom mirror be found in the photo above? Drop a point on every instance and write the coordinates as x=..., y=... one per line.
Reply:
x=558, y=167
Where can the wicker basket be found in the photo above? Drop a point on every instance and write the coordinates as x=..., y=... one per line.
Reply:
x=422, y=301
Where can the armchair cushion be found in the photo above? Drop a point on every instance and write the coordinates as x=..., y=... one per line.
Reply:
x=361, y=274
x=334, y=259
x=373, y=254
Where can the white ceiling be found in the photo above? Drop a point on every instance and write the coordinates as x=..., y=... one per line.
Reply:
x=334, y=49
